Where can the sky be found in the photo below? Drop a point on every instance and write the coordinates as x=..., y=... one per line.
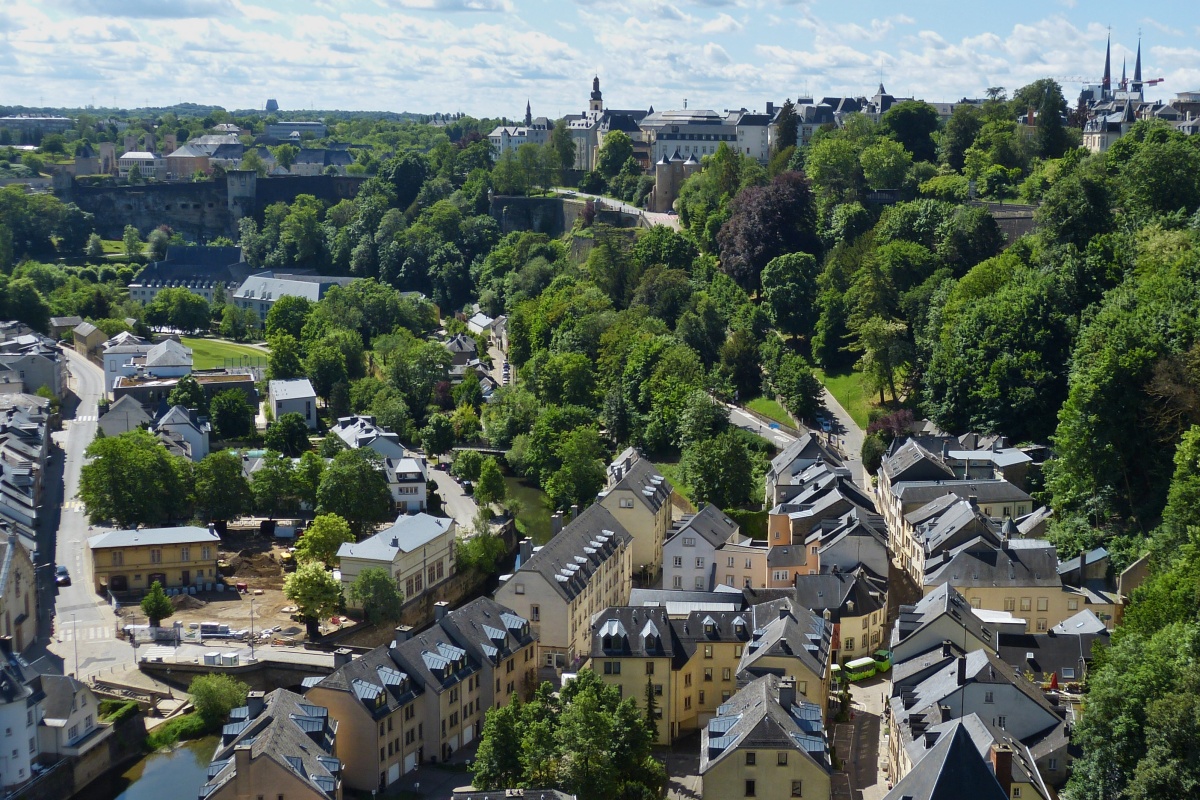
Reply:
x=487, y=57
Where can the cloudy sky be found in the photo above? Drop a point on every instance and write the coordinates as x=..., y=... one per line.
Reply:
x=485, y=57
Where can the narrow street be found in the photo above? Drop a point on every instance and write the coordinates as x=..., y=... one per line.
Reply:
x=83, y=623
x=747, y=421
x=848, y=438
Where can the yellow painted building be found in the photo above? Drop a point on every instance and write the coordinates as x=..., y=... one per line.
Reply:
x=133, y=560
x=422, y=697
x=639, y=498
x=279, y=746
x=693, y=663
x=765, y=742
x=18, y=593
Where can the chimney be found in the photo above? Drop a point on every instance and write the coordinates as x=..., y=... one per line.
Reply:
x=255, y=702
x=342, y=657
x=526, y=550
x=212, y=529
x=945, y=712
x=241, y=759
x=784, y=611
x=439, y=610
x=962, y=670
x=403, y=634
x=574, y=511
x=946, y=644
x=974, y=501
x=787, y=693
x=1002, y=756
x=931, y=738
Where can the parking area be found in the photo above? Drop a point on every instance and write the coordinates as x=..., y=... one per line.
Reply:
x=682, y=760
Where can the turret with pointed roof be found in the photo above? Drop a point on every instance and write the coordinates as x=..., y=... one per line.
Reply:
x=528, y=114
x=1137, y=69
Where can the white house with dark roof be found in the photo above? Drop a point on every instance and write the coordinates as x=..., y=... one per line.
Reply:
x=70, y=724
x=260, y=291
x=943, y=615
x=21, y=699
x=691, y=549
x=182, y=425
x=408, y=481
x=361, y=431
x=293, y=396
x=417, y=551
x=783, y=481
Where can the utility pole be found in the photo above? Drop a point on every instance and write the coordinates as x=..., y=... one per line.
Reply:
x=252, y=627
x=75, y=638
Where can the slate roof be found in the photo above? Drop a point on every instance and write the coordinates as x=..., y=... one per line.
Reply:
x=850, y=594
x=983, y=736
x=913, y=493
x=911, y=459
x=169, y=353
x=60, y=693
x=754, y=719
x=73, y=321
x=807, y=447
x=406, y=534
x=148, y=536
x=84, y=329
x=980, y=563
x=570, y=558
x=944, y=600
x=643, y=479
x=784, y=628
x=460, y=343
x=1066, y=645
x=295, y=734
x=487, y=630
x=709, y=523
x=952, y=770
x=958, y=524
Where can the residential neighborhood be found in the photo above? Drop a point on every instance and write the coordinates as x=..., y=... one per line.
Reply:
x=779, y=436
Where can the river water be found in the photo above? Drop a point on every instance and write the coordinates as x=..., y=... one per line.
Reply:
x=177, y=773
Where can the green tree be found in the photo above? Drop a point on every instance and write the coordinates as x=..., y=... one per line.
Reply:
x=789, y=287
x=306, y=476
x=284, y=360
x=376, y=593
x=132, y=242
x=616, y=150
x=232, y=416
x=285, y=155
x=437, y=437
x=354, y=488
x=885, y=164
x=237, y=323
x=95, y=247
x=132, y=480
x=314, y=591
x=214, y=696
x=885, y=349
x=467, y=464
x=766, y=222
x=959, y=134
x=288, y=435
x=719, y=471
x=912, y=124
x=156, y=605
x=465, y=421
x=272, y=485
x=563, y=146
x=582, y=471
x=156, y=244
x=741, y=364
x=489, y=488
x=189, y=394
x=787, y=127
x=322, y=538
x=325, y=366
x=497, y=762
x=288, y=315
x=222, y=491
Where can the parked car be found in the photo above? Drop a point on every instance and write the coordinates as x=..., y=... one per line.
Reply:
x=61, y=576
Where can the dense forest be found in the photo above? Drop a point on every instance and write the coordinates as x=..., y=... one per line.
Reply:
x=1082, y=335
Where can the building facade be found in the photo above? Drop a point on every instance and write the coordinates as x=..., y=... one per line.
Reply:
x=132, y=560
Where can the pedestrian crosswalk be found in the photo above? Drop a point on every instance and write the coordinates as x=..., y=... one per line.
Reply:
x=158, y=653
x=86, y=418
x=74, y=505
x=86, y=633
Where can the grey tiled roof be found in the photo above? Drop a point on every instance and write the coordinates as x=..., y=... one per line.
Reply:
x=569, y=559
x=754, y=719
x=162, y=536
x=710, y=523
x=952, y=770
x=843, y=593
x=643, y=479
x=980, y=563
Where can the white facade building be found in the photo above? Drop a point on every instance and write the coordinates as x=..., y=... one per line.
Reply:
x=293, y=396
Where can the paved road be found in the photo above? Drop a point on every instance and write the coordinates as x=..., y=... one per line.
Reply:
x=848, y=437
x=747, y=421
x=869, y=751
x=85, y=625
x=455, y=502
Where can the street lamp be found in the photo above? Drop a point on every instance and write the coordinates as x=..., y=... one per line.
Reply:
x=252, y=628
x=75, y=641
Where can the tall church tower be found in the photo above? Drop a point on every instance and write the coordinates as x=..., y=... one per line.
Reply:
x=1106, y=81
x=597, y=102
x=1136, y=86
x=528, y=114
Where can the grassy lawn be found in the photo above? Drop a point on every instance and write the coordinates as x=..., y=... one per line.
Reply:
x=211, y=354
x=113, y=246
x=847, y=388
x=770, y=409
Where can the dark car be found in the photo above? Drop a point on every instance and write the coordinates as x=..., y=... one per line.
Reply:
x=61, y=576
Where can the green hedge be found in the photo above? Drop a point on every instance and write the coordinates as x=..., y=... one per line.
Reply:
x=117, y=711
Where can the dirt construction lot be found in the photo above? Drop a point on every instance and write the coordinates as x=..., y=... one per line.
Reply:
x=258, y=562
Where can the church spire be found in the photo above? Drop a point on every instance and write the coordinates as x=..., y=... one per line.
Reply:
x=528, y=114
x=1123, y=84
x=1106, y=82
x=1137, y=68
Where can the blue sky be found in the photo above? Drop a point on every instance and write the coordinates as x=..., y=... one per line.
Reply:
x=485, y=57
